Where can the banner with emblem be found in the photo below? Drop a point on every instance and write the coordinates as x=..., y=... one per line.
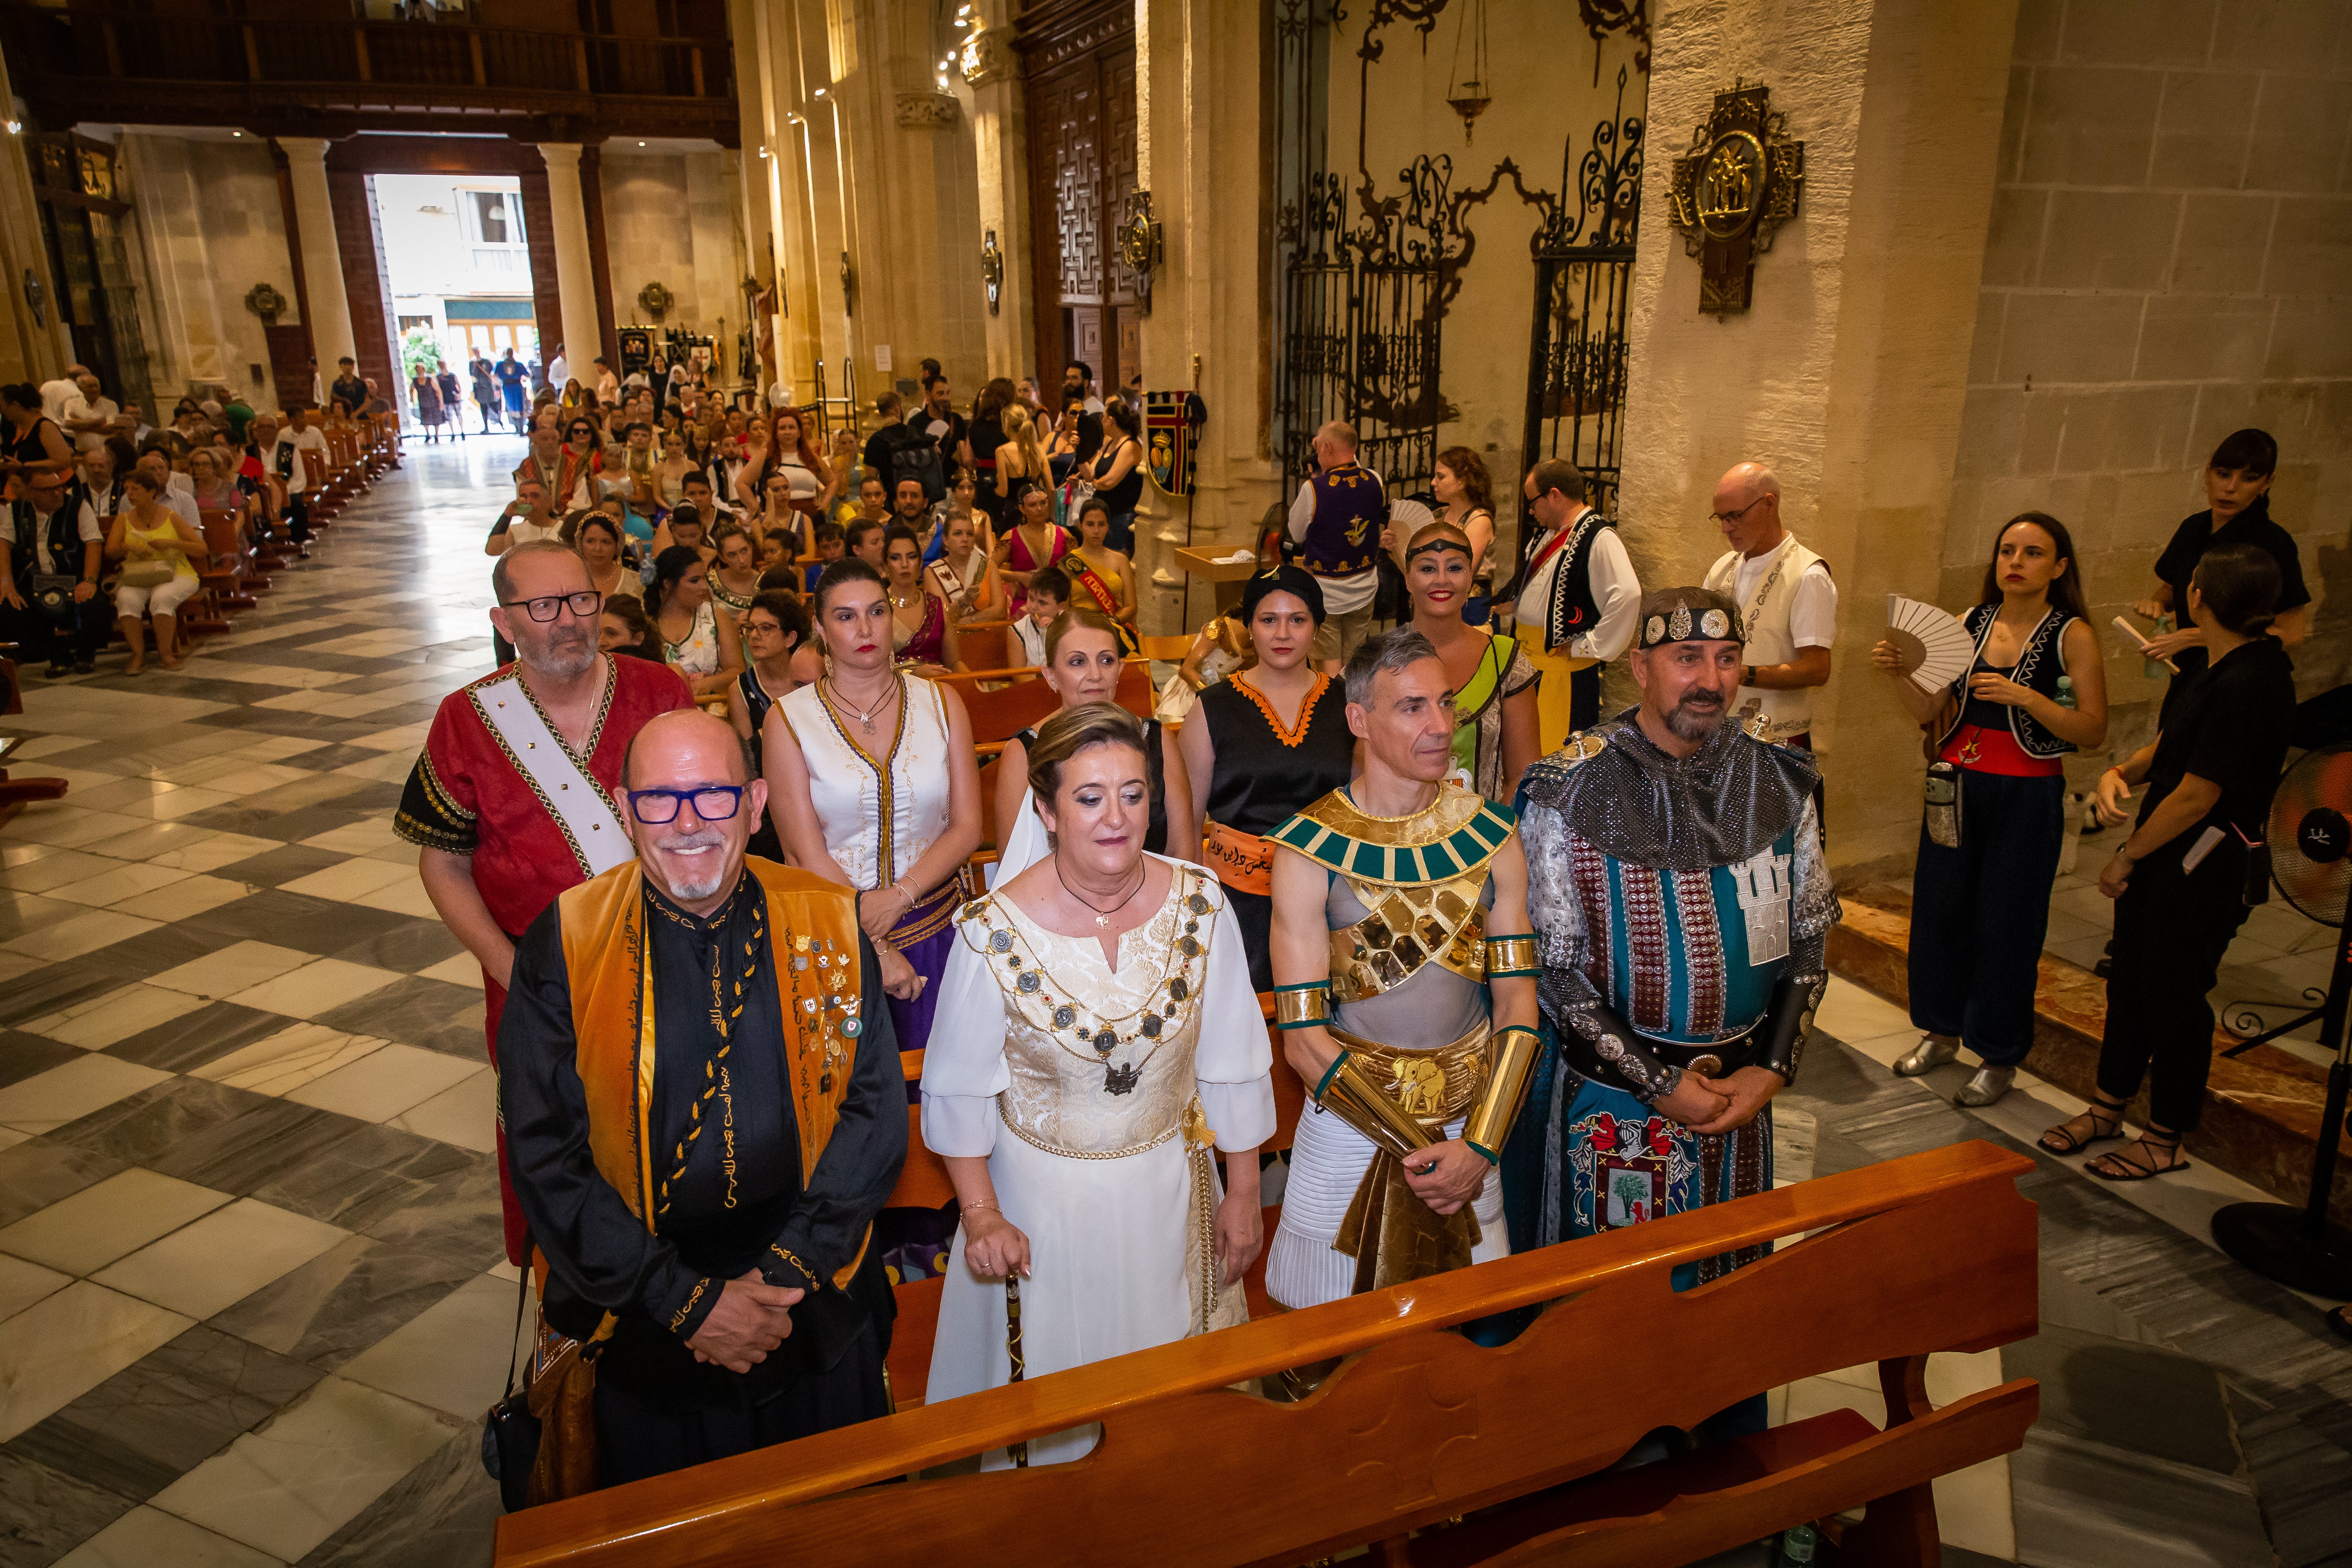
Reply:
x=1171, y=423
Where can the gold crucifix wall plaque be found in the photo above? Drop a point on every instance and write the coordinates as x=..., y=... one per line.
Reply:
x=1741, y=178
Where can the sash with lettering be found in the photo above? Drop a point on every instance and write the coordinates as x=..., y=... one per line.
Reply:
x=1087, y=580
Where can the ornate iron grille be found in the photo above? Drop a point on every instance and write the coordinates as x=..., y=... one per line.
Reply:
x=1584, y=275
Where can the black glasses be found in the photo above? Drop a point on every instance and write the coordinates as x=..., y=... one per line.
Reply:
x=1720, y=519
x=583, y=604
x=712, y=803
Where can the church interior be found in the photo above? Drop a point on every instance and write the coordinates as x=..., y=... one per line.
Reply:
x=1909, y=275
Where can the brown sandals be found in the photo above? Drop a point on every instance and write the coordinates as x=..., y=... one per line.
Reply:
x=2105, y=1121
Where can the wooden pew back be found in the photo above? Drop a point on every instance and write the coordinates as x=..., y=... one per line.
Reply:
x=1418, y=1426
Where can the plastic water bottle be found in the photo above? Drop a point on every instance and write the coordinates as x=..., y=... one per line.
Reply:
x=2067, y=691
x=1796, y=1550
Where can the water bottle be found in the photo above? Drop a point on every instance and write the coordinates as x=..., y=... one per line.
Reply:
x=2066, y=692
x=1796, y=1549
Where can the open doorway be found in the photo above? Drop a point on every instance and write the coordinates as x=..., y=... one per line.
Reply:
x=457, y=269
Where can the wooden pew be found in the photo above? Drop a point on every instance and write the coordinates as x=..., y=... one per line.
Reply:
x=1418, y=1427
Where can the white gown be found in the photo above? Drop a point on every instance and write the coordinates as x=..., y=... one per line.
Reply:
x=1102, y=1180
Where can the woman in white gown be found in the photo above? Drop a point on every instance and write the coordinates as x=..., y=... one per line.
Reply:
x=1076, y=1082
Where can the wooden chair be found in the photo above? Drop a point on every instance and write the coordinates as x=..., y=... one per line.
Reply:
x=988, y=644
x=224, y=577
x=1168, y=651
x=1418, y=1427
x=15, y=793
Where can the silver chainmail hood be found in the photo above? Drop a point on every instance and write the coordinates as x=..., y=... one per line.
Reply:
x=1719, y=805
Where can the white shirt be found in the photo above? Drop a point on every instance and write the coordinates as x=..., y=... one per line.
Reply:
x=80, y=407
x=559, y=370
x=56, y=394
x=1341, y=595
x=179, y=497
x=1812, y=611
x=1032, y=640
x=88, y=528
x=312, y=440
x=608, y=388
x=1616, y=594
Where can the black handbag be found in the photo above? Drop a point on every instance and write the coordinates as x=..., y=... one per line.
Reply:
x=52, y=595
x=510, y=1431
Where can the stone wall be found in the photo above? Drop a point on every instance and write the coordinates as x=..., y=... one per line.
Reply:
x=209, y=228
x=669, y=217
x=2170, y=259
x=245, y=240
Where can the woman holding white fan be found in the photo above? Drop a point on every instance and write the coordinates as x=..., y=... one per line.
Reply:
x=2033, y=690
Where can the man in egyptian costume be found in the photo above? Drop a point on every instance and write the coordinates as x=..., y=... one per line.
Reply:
x=704, y=1112
x=1682, y=909
x=1405, y=990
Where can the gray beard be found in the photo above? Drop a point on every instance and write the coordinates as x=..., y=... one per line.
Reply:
x=1688, y=723
x=688, y=891
x=563, y=665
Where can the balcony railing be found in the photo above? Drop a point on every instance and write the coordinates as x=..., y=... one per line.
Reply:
x=103, y=40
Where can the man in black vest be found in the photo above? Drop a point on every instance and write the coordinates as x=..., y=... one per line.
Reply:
x=52, y=535
x=1578, y=598
x=1337, y=520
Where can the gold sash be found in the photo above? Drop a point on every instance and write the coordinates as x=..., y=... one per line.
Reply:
x=607, y=958
x=1391, y=1233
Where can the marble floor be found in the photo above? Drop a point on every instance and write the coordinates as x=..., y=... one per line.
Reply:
x=252, y=1303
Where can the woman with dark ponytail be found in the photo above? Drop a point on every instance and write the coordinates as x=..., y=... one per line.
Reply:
x=2194, y=862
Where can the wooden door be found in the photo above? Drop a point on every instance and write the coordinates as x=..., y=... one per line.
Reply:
x=1079, y=83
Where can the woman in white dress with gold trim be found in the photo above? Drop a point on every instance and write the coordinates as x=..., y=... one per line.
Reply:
x=1076, y=1082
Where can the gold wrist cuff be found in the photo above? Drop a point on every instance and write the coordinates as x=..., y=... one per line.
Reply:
x=1506, y=1090
x=1301, y=1006
x=1352, y=1096
x=1509, y=955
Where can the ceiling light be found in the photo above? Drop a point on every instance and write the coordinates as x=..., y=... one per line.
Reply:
x=236, y=133
x=15, y=126
x=943, y=81
x=640, y=144
x=820, y=93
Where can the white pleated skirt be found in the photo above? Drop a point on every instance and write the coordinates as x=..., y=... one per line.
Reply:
x=1328, y=1161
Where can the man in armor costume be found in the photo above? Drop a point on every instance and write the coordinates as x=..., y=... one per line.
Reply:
x=1405, y=990
x=1682, y=909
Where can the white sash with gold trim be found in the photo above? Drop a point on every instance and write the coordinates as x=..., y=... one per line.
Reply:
x=570, y=794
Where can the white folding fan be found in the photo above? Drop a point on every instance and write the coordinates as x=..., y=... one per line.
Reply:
x=1409, y=518
x=1936, y=648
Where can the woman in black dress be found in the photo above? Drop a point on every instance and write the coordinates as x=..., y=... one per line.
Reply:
x=1270, y=742
x=1117, y=473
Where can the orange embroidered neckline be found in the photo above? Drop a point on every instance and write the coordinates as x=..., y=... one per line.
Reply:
x=1288, y=737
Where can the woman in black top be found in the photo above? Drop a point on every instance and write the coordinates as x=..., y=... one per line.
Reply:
x=31, y=440
x=1117, y=472
x=2238, y=497
x=987, y=434
x=775, y=628
x=2182, y=882
x=1270, y=742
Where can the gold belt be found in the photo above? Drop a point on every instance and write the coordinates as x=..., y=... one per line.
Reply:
x=1391, y=1233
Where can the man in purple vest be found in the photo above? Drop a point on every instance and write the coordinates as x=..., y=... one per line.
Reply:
x=1336, y=519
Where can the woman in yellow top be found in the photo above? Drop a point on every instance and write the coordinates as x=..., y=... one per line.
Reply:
x=1496, y=729
x=1102, y=578
x=153, y=545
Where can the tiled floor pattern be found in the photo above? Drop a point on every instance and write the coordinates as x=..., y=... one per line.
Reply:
x=251, y=1299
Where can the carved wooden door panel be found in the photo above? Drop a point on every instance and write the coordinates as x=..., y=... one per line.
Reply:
x=1080, y=98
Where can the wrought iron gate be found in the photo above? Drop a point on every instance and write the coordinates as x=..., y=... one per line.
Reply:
x=1584, y=275
x=1358, y=337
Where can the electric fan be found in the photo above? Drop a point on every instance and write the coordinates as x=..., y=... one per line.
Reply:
x=1936, y=647
x=2310, y=837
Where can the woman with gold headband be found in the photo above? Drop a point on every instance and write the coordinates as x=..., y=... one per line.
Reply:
x=1496, y=726
x=1078, y=1085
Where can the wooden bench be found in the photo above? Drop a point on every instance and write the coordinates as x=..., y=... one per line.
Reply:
x=1418, y=1427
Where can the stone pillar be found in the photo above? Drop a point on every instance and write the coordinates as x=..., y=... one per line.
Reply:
x=30, y=350
x=1001, y=143
x=319, y=262
x=1199, y=150
x=1848, y=372
x=180, y=314
x=575, y=267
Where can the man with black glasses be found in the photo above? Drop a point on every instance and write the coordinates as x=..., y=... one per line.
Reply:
x=726, y=1017
x=509, y=802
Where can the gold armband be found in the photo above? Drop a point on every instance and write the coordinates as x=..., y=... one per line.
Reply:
x=1302, y=1007
x=1350, y=1094
x=1510, y=957
x=1506, y=1090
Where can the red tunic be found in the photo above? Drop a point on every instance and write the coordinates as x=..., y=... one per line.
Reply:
x=466, y=797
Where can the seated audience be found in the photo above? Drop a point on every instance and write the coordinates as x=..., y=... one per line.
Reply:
x=49, y=575
x=154, y=547
x=698, y=635
x=1049, y=596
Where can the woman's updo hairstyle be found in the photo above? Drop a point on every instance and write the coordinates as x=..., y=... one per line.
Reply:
x=1075, y=620
x=848, y=570
x=1075, y=729
x=669, y=566
x=2239, y=585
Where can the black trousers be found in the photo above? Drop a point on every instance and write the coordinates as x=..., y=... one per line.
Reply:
x=1978, y=914
x=1584, y=699
x=2171, y=930
x=638, y=1434
x=39, y=639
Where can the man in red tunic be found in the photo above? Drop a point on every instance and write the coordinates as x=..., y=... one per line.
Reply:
x=510, y=802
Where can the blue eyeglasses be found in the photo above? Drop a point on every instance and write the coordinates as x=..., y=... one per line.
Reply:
x=712, y=803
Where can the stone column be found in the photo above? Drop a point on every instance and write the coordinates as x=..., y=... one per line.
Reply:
x=575, y=267
x=321, y=263
x=1199, y=151
x=30, y=350
x=1848, y=372
x=1001, y=141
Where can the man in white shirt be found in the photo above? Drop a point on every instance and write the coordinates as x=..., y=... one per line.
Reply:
x=174, y=489
x=1337, y=517
x=1788, y=604
x=51, y=530
x=299, y=461
x=1579, y=600
x=90, y=416
x=57, y=394
x=559, y=371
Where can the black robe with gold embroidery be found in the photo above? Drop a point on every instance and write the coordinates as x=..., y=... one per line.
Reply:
x=738, y=1204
